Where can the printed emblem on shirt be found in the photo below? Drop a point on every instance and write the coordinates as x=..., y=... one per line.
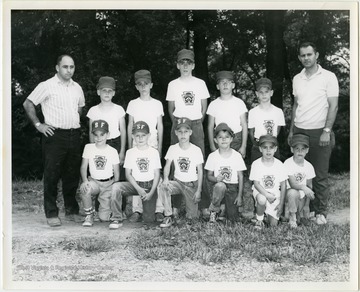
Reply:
x=226, y=172
x=268, y=181
x=100, y=162
x=184, y=164
x=299, y=176
x=188, y=97
x=269, y=126
x=143, y=164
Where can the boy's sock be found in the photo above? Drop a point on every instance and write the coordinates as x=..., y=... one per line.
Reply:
x=259, y=217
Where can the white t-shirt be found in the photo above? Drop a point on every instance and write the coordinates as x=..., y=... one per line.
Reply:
x=228, y=111
x=301, y=173
x=101, y=160
x=142, y=163
x=187, y=96
x=269, y=177
x=266, y=121
x=312, y=94
x=228, y=167
x=147, y=111
x=112, y=117
x=185, y=161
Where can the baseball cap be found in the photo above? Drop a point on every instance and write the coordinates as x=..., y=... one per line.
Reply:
x=300, y=139
x=224, y=75
x=140, y=126
x=142, y=75
x=263, y=82
x=183, y=122
x=100, y=125
x=268, y=138
x=223, y=127
x=106, y=82
x=185, y=54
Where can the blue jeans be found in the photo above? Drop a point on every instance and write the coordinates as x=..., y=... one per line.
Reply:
x=62, y=158
x=319, y=157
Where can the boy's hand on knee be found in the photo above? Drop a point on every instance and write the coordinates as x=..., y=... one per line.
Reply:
x=271, y=197
x=197, y=197
x=309, y=193
x=219, y=178
x=85, y=187
x=238, y=201
x=147, y=196
x=142, y=193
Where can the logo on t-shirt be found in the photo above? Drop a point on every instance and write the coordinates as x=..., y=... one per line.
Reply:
x=143, y=164
x=299, y=176
x=226, y=172
x=268, y=181
x=269, y=126
x=100, y=162
x=184, y=164
x=188, y=97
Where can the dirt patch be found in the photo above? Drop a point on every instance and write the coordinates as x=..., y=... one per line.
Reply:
x=41, y=253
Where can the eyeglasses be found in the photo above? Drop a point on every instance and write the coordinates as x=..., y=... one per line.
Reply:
x=142, y=84
x=107, y=91
x=185, y=61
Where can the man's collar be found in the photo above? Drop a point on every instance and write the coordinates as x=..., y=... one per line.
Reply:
x=56, y=77
x=319, y=71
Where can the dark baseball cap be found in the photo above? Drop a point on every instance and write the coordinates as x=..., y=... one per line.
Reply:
x=106, y=82
x=263, y=82
x=268, y=138
x=223, y=127
x=140, y=126
x=100, y=125
x=142, y=75
x=300, y=139
x=224, y=75
x=183, y=122
x=185, y=54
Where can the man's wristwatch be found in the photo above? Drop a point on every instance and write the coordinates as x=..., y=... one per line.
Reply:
x=327, y=130
x=37, y=124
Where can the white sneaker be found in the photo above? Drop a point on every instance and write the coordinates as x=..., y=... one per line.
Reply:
x=212, y=217
x=115, y=224
x=89, y=220
x=320, y=219
x=167, y=222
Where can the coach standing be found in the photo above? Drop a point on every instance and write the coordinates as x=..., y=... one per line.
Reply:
x=316, y=93
x=61, y=101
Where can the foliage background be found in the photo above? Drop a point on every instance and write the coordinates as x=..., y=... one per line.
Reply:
x=251, y=43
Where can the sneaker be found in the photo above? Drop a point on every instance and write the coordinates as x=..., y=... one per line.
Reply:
x=259, y=224
x=221, y=216
x=135, y=217
x=312, y=216
x=115, y=224
x=89, y=221
x=167, y=222
x=159, y=217
x=292, y=224
x=212, y=217
x=320, y=219
x=96, y=217
x=54, y=221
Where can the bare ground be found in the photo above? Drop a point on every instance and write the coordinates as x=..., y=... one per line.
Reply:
x=40, y=254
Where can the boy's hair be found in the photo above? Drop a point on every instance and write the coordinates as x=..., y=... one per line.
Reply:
x=106, y=82
x=142, y=75
x=307, y=44
x=100, y=125
x=223, y=127
x=140, y=126
x=300, y=139
x=268, y=138
x=263, y=82
x=224, y=75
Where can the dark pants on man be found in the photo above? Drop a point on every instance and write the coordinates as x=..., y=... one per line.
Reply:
x=319, y=157
x=62, y=158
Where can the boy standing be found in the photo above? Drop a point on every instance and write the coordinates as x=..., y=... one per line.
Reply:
x=188, y=174
x=102, y=161
x=142, y=170
x=150, y=110
x=264, y=118
x=269, y=177
x=301, y=173
x=230, y=110
x=225, y=168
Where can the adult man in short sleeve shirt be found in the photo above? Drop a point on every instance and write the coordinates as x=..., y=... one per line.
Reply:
x=61, y=101
x=316, y=93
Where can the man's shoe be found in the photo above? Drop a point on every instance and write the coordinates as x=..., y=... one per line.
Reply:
x=159, y=217
x=54, y=221
x=135, y=217
x=212, y=218
x=115, y=224
x=167, y=222
x=89, y=220
x=259, y=225
x=320, y=219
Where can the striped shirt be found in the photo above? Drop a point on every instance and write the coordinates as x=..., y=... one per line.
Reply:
x=59, y=102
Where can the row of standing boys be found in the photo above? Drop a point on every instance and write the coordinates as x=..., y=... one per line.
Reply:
x=211, y=187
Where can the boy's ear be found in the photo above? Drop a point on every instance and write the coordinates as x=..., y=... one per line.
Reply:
x=108, y=134
x=151, y=85
x=57, y=68
x=217, y=86
x=215, y=140
x=98, y=92
x=191, y=132
x=307, y=150
x=292, y=150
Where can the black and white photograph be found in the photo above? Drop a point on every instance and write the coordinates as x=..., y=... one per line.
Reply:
x=168, y=145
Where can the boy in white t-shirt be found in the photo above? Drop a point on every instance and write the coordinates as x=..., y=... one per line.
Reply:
x=188, y=174
x=301, y=173
x=225, y=168
x=150, y=110
x=269, y=177
x=142, y=170
x=102, y=161
x=265, y=118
